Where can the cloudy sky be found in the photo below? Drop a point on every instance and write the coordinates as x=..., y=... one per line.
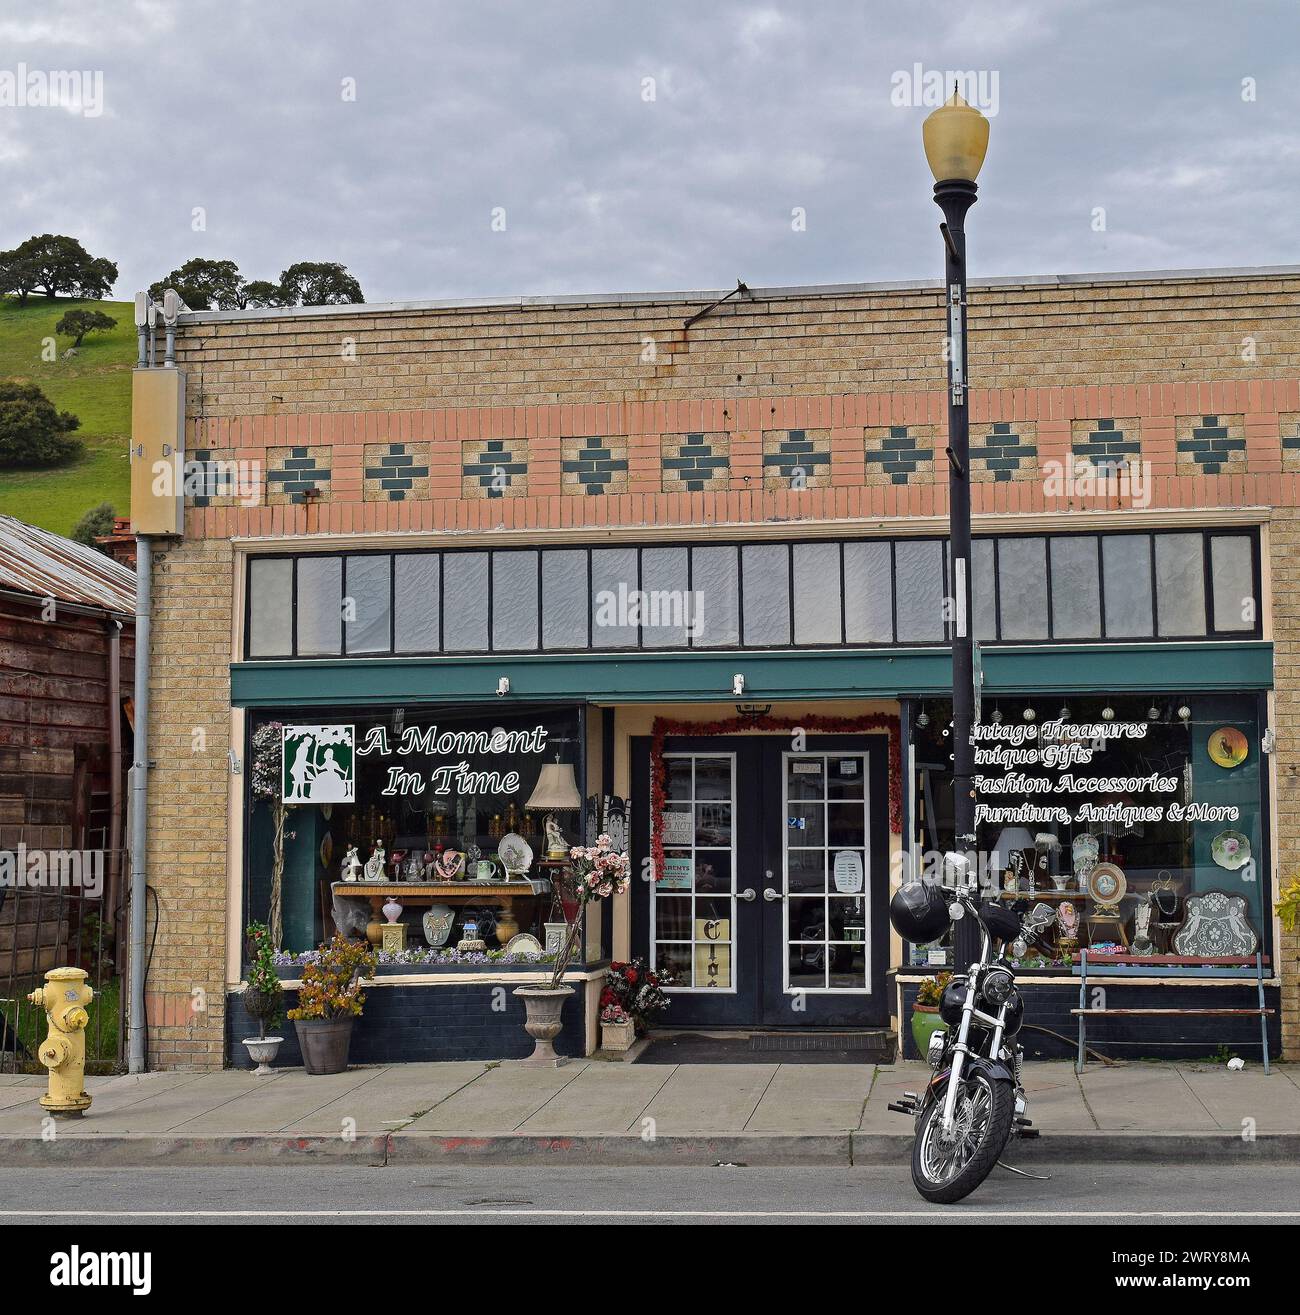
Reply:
x=444, y=148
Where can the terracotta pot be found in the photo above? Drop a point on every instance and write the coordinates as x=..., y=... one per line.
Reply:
x=543, y=1006
x=324, y=1043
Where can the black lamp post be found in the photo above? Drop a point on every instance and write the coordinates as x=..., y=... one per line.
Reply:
x=956, y=138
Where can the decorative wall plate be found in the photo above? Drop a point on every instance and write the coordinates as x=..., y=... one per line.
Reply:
x=1083, y=852
x=516, y=854
x=1230, y=849
x=1228, y=746
x=524, y=944
x=1107, y=884
x=1216, y=926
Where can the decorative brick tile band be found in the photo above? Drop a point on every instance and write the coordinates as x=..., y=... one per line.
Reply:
x=796, y=458
x=696, y=463
x=494, y=468
x=1000, y=453
x=210, y=478
x=1288, y=424
x=900, y=454
x=295, y=472
x=1214, y=444
x=395, y=471
x=594, y=465
x=1108, y=445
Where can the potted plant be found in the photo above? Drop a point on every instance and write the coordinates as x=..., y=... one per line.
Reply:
x=263, y=996
x=595, y=872
x=329, y=1002
x=638, y=991
x=925, y=1011
x=617, y=1031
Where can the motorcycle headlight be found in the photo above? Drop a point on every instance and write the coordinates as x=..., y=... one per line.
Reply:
x=996, y=987
x=934, y=1051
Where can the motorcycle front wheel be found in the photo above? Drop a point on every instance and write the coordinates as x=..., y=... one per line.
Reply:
x=945, y=1169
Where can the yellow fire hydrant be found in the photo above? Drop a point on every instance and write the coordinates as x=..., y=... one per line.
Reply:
x=64, y=998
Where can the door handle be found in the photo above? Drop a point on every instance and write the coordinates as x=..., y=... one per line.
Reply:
x=771, y=896
x=746, y=894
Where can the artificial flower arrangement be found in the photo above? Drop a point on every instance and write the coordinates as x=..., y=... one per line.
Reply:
x=596, y=872
x=637, y=992
x=331, y=983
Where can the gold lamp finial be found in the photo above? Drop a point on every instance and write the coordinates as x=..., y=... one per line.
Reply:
x=956, y=138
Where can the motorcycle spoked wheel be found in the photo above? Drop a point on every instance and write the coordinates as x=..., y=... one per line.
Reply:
x=944, y=1170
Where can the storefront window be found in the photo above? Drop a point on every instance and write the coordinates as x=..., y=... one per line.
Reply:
x=420, y=793
x=1132, y=826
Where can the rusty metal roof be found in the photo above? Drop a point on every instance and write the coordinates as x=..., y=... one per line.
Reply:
x=34, y=561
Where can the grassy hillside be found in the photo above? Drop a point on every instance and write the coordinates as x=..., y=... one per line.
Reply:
x=96, y=387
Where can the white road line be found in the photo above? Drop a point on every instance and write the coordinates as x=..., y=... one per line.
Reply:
x=957, y=1213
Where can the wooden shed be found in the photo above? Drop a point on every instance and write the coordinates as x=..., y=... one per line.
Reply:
x=66, y=662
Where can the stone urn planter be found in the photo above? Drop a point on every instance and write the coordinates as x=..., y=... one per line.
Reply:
x=617, y=1037
x=262, y=1050
x=543, y=1005
x=324, y=1043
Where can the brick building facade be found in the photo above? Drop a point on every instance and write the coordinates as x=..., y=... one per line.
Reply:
x=795, y=415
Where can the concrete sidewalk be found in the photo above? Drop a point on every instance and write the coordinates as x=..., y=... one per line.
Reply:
x=614, y=1113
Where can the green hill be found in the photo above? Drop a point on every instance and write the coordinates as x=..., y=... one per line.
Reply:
x=95, y=386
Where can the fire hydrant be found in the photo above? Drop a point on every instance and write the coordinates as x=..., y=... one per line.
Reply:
x=64, y=998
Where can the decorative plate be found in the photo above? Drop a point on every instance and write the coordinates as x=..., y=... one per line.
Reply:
x=1107, y=884
x=524, y=944
x=1216, y=926
x=1083, y=852
x=1228, y=746
x=1230, y=849
x=516, y=854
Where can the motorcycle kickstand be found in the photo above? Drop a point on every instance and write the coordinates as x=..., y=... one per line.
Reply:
x=1021, y=1173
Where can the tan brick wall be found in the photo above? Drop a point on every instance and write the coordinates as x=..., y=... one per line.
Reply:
x=188, y=797
x=1144, y=331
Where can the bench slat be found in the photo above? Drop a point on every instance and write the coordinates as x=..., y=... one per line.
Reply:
x=1152, y=1013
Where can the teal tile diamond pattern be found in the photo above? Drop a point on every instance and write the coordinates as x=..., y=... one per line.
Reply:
x=1002, y=451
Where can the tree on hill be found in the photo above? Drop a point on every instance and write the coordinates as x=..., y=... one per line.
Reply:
x=55, y=265
x=75, y=324
x=205, y=284
x=324, y=283
x=32, y=432
x=95, y=524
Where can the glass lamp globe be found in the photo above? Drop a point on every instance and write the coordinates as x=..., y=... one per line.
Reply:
x=956, y=138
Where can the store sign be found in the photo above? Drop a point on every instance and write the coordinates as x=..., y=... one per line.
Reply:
x=713, y=952
x=848, y=872
x=318, y=765
x=678, y=827
x=455, y=776
x=677, y=873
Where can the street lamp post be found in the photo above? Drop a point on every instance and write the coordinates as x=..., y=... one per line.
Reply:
x=956, y=138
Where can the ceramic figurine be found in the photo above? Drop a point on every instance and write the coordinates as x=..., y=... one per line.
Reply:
x=1068, y=916
x=375, y=864
x=413, y=868
x=351, y=865
x=1142, y=943
x=556, y=845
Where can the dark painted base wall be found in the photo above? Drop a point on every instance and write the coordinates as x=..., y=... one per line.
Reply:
x=480, y=1020
x=1136, y=1038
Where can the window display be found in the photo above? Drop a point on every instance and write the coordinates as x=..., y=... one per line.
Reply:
x=419, y=828
x=1126, y=826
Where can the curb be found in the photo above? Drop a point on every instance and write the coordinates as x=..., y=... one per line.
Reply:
x=143, y=1150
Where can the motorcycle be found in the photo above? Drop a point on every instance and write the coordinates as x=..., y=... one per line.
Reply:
x=975, y=1101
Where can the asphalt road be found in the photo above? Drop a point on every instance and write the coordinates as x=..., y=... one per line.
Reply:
x=1077, y=1194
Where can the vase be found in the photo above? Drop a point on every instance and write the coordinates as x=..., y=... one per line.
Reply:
x=925, y=1022
x=507, y=926
x=324, y=1043
x=616, y=1037
x=543, y=1005
x=392, y=910
x=555, y=934
x=262, y=1051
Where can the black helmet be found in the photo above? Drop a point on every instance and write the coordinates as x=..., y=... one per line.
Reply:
x=918, y=912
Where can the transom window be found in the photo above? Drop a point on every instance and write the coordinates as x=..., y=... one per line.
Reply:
x=1060, y=588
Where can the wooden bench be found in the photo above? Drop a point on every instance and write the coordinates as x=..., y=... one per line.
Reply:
x=1133, y=960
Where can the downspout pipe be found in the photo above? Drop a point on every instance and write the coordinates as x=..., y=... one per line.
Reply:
x=137, y=1056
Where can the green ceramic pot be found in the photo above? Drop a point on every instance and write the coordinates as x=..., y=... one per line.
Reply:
x=925, y=1022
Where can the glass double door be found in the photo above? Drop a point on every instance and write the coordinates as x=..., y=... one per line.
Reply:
x=767, y=903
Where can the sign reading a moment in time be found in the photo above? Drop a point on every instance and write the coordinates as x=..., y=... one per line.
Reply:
x=320, y=761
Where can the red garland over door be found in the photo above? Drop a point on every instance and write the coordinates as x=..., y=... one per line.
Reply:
x=666, y=726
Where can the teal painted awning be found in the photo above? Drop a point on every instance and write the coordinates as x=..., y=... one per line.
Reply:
x=769, y=676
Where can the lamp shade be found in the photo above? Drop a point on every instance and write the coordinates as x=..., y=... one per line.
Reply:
x=956, y=138
x=556, y=788
x=1010, y=839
